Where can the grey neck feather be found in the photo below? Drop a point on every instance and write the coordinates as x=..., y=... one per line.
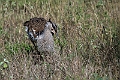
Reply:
x=45, y=41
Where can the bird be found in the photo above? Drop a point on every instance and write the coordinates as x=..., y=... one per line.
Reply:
x=41, y=32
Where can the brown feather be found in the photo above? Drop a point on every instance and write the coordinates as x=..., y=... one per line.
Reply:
x=38, y=24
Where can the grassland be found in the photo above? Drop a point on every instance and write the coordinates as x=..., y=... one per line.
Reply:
x=87, y=45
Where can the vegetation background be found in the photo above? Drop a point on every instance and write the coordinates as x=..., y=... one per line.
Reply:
x=87, y=45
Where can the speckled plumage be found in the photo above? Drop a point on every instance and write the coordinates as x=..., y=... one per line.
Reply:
x=40, y=32
x=45, y=41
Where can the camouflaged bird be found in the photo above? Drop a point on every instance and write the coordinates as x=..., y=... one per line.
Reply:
x=40, y=32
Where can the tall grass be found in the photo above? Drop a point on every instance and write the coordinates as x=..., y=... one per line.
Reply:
x=87, y=45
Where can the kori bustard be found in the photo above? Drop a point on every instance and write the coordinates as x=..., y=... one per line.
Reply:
x=40, y=32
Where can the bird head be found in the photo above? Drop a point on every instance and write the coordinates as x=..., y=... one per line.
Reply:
x=53, y=27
